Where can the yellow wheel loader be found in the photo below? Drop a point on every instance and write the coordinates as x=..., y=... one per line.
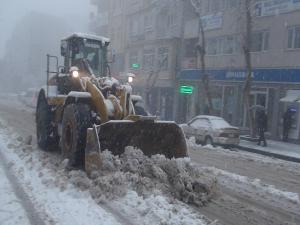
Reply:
x=83, y=110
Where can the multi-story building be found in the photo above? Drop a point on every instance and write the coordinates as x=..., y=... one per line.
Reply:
x=108, y=19
x=156, y=40
x=275, y=54
x=153, y=38
x=145, y=38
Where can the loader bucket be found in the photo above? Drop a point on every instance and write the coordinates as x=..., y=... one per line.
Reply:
x=152, y=137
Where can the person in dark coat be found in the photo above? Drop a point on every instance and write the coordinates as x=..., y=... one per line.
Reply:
x=287, y=124
x=261, y=124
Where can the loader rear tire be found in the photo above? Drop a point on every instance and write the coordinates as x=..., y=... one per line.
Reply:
x=76, y=121
x=46, y=138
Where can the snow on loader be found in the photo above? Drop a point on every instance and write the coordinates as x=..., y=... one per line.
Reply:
x=83, y=110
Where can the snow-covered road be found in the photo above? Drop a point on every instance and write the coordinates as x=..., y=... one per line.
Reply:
x=252, y=189
x=59, y=196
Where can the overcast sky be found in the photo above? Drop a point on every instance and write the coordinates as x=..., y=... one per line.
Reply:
x=11, y=11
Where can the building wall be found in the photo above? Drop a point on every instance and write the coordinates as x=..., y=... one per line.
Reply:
x=274, y=55
x=152, y=30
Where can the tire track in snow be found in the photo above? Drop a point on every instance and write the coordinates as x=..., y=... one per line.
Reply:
x=32, y=214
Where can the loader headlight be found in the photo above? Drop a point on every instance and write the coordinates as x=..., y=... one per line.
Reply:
x=75, y=74
x=130, y=79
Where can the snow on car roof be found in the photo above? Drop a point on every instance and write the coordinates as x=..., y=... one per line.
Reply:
x=209, y=117
x=88, y=36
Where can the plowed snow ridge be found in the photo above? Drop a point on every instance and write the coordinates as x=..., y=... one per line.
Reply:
x=59, y=195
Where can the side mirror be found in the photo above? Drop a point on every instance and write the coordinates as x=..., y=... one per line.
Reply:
x=63, y=48
x=62, y=70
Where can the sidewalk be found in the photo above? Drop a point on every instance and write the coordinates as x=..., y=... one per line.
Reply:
x=277, y=149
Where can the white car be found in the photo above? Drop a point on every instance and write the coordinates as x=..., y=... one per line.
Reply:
x=212, y=130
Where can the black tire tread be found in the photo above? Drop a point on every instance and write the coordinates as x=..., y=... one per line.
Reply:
x=44, y=126
x=79, y=116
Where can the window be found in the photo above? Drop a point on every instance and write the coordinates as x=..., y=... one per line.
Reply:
x=216, y=5
x=221, y=45
x=163, y=57
x=148, y=21
x=260, y=41
x=294, y=37
x=212, y=46
x=133, y=27
x=229, y=45
x=232, y=4
x=148, y=60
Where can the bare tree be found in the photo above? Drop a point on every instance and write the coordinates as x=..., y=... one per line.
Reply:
x=247, y=13
x=201, y=49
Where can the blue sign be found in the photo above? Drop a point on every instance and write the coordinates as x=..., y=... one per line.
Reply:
x=263, y=75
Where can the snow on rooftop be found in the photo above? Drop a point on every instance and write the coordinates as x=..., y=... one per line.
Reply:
x=88, y=36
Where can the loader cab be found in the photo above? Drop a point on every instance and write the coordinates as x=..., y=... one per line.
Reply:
x=90, y=48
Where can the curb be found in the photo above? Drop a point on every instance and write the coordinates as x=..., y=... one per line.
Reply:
x=271, y=154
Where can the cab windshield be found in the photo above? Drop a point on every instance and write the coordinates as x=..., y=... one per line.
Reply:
x=95, y=55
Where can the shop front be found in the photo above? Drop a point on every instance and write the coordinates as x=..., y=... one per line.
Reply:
x=226, y=86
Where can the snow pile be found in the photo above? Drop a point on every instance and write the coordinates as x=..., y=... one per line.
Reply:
x=133, y=188
x=133, y=170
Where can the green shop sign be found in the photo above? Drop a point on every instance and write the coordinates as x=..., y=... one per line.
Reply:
x=186, y=90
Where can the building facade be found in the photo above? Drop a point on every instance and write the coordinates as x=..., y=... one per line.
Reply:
x=275, y=53
x=157, y=41
x=145, y=38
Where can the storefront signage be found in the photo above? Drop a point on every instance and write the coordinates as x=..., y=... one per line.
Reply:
x=135, y=65
x=237, y=75
x=263, y=75
x=213, y=21
x=186, y=89
x=275, y=7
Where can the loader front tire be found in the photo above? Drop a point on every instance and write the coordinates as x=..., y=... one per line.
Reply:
x=76, y=121
x=46, y=138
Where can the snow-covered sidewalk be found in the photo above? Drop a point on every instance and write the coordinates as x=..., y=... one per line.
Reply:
x=275, y=148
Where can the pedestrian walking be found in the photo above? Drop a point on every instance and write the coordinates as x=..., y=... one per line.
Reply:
x=287, y=123
x=261, y=124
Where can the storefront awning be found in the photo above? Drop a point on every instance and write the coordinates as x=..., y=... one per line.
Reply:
x=291, y=96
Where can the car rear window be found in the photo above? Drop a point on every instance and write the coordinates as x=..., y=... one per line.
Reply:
x=219, y=123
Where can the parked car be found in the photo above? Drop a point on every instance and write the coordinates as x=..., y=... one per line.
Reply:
x=212, y=130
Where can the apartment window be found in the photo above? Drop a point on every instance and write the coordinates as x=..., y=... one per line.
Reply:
x=212, y=46
x=232, y=4
x=221, y=45
x=133, y=27
x=229, y=45
x=294, y=37
x=216, y=5
x=163, y=57
x=148, y=60
x=171, y=19
x=149, y=20
x=260, y=41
